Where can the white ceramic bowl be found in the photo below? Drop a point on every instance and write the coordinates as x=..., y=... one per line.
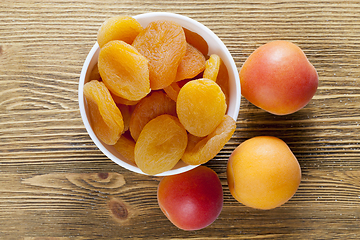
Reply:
x=216, y=46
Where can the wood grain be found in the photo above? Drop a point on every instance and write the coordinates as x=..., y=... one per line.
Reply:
x=55, y=183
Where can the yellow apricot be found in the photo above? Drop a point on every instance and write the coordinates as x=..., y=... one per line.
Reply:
x=263, y=173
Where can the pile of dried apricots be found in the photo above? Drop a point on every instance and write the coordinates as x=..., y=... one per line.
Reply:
x=156, y=96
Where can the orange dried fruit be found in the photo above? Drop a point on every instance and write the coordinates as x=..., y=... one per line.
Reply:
x=183, y=82
x=105, y=117
x=212, y=67
x=94, y=74
x=191, y=64
x=124, y=70
x=197, y=41
x=200, y=106
x=202, y=149
x=126, y=147
x=120, y=100
x=160, y=145
x=172, y=90
x=223, y=81
x=163, y=43
x=126, y=114
x=153, y=105
x=123, y=28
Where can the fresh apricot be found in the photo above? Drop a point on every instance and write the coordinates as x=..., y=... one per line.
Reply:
x=278, y=78
x=191, y=200
x=263, y=173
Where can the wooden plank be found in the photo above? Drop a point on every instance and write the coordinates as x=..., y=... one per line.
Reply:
x=56, y=184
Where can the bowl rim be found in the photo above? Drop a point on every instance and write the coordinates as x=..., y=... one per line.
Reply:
x=190, y=24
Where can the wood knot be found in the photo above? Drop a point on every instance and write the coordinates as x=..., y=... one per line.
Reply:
x=118, y=209
x=103, y=175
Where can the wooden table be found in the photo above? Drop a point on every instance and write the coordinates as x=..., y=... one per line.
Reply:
x=56, y=184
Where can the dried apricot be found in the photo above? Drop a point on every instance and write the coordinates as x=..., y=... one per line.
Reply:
x=94, y=74
x=197, y=41
x=201, y=150
x=123, y=28
x=126, y=147
x=120, y=100
x=200, y=106
x=124, y=70
x=223, y=81
x=212, y=67
x=183, y=82
x=191, y=64
x=163, y=43
x=160, y=145
x=153, y=105
x=105, y=117
x=172, y=90
x=126, y=114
